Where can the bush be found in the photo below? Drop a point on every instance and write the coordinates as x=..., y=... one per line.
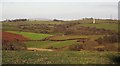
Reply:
x=76, y=47
x=108, y=39
x=89, y=45
x=115, y=58
x=13, y=45
x=99, y=48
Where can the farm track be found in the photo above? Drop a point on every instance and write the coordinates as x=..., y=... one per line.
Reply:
x=39, y=49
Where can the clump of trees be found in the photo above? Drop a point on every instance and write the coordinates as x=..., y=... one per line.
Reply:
x=15, y=20
x=13, y=45
x=57, y=20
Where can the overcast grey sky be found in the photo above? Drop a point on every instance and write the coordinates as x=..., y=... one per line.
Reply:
x=60, y=0
x=60, y=10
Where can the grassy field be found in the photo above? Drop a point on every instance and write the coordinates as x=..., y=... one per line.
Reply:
x=64, y=57
x=9, y=27
x=105, y=26
x=49, y=44
x=75, y=37
x=33, y=36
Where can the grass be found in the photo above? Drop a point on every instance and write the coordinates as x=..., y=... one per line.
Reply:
x=13, y=26
x=75, y=37
x=64, y=57
x=10, y=27
x=48, y=44
x=38, y=44
x=105, y=26
x=33, y=36
x=63, y=43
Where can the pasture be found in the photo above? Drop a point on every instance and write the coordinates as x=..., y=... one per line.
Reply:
x=49, y=44
x=56, y=57
x=6, y=27
x=74, y=37
x=102, y=26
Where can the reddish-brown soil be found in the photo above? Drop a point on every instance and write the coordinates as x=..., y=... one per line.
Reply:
x=11, y=36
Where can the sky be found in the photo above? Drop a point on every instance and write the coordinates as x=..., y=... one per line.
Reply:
x=60, y=0
x=58, y=9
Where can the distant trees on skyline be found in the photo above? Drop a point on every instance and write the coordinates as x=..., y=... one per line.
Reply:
x=15, y=20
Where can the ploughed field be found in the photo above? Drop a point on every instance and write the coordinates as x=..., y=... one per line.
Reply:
x=32, y=36
x=11, y=37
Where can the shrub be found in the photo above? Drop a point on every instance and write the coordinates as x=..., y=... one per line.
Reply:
x=99, y=48
x=13, y=45
x=76, y=47
x=89, y=45
x=111, y=47
x=108, y=39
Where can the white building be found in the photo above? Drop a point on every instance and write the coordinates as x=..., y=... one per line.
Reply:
x=93, y=21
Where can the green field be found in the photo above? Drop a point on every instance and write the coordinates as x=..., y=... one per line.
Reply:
x=65, y=37
x=30, y=35
x=6, y=27
x=64, y=57
x=105, y=26
x=49, y=44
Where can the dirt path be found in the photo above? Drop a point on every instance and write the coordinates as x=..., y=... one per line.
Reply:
x=39, y=49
